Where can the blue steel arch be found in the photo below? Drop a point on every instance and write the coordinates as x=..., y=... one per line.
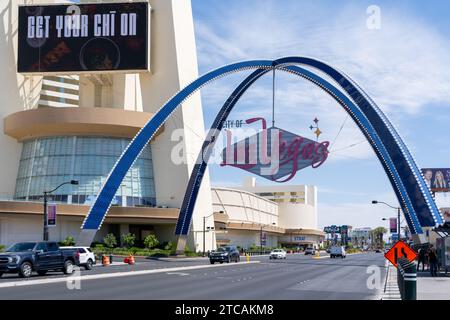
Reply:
x=200, y=167
x=402, y=171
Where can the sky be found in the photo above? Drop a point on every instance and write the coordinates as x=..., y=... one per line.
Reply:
x=404, y=65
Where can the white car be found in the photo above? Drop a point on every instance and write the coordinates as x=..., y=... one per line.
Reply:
x=278, y=254
x=337, y=251
x=87, y=257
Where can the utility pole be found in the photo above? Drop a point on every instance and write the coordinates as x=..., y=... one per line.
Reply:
x=204, y=231
x=260, y=240
x=45, y=217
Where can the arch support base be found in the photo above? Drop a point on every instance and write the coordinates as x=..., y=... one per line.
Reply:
x=86, y=237
x=181, y=245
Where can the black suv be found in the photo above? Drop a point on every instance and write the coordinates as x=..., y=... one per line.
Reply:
x=225, y=254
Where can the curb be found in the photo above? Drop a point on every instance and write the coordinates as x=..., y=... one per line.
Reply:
x=391, y=291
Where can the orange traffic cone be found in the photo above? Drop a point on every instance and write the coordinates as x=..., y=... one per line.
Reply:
x=130, y=259
x=105, y=260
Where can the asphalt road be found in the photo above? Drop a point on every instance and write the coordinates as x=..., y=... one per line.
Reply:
x=297, y=277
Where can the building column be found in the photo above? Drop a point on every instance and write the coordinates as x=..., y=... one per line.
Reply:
x=124, y=229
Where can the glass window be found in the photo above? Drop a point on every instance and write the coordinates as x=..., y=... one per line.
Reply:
x=52, y=246
x=21, y=246
x=47, y=162
x=41, y=246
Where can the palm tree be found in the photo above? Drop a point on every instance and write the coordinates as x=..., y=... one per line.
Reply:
x=378, y=234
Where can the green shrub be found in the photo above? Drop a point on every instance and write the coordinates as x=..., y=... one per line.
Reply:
x=128, y=239
x=133, y=250
x=96, y=243
x=192, y=254
x=110, y=240
x=158, y=253
x=151, y=241
x=68, y=242
x=169, y=246
x=2, y=247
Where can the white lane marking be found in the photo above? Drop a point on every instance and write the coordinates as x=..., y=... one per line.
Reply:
x=178, y=274
x=112, y=275
x=327, y=256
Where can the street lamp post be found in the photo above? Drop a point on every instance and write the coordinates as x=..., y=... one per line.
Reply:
x=46, y=193
x=398, y=215
x=204, y=232
x=260, y=238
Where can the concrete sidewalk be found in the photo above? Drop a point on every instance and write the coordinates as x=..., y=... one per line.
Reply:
x=433, y=288
x=391, y=291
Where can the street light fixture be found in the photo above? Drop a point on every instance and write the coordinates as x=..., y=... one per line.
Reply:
x=398, y=215
x=73, y=182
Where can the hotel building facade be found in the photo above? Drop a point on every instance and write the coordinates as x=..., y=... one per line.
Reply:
x=62, y=127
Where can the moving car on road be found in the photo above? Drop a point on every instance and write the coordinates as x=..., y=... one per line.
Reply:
x=87, y=257
x=278, y=254
x=25, y=257
x=225, y=254
x=311, y=251
x=337, y=251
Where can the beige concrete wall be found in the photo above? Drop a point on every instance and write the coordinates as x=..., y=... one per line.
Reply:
x=16, y=228
x=17, y=92
x=244, y=206
x=246, y=239
x=291, y=215
x=173, y=64
x=297, y=216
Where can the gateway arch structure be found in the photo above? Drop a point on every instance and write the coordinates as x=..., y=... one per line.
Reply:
x=400, y=167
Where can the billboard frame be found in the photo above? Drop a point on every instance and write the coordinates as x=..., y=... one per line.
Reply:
x=446, y=177
x=98, y=72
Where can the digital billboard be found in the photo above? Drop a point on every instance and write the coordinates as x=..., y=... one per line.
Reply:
x=438, y=180
x=101, y=37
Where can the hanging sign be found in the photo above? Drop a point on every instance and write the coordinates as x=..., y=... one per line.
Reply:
x=274, y=153
x=51, y=215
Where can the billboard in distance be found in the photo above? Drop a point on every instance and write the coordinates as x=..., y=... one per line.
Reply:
x=80, y=38
x=438, y=180
x=446, y=213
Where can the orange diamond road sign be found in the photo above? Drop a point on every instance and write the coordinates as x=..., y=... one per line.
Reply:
x=399, y=250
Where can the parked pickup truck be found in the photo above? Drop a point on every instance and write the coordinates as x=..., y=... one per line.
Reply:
x=25, y=257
